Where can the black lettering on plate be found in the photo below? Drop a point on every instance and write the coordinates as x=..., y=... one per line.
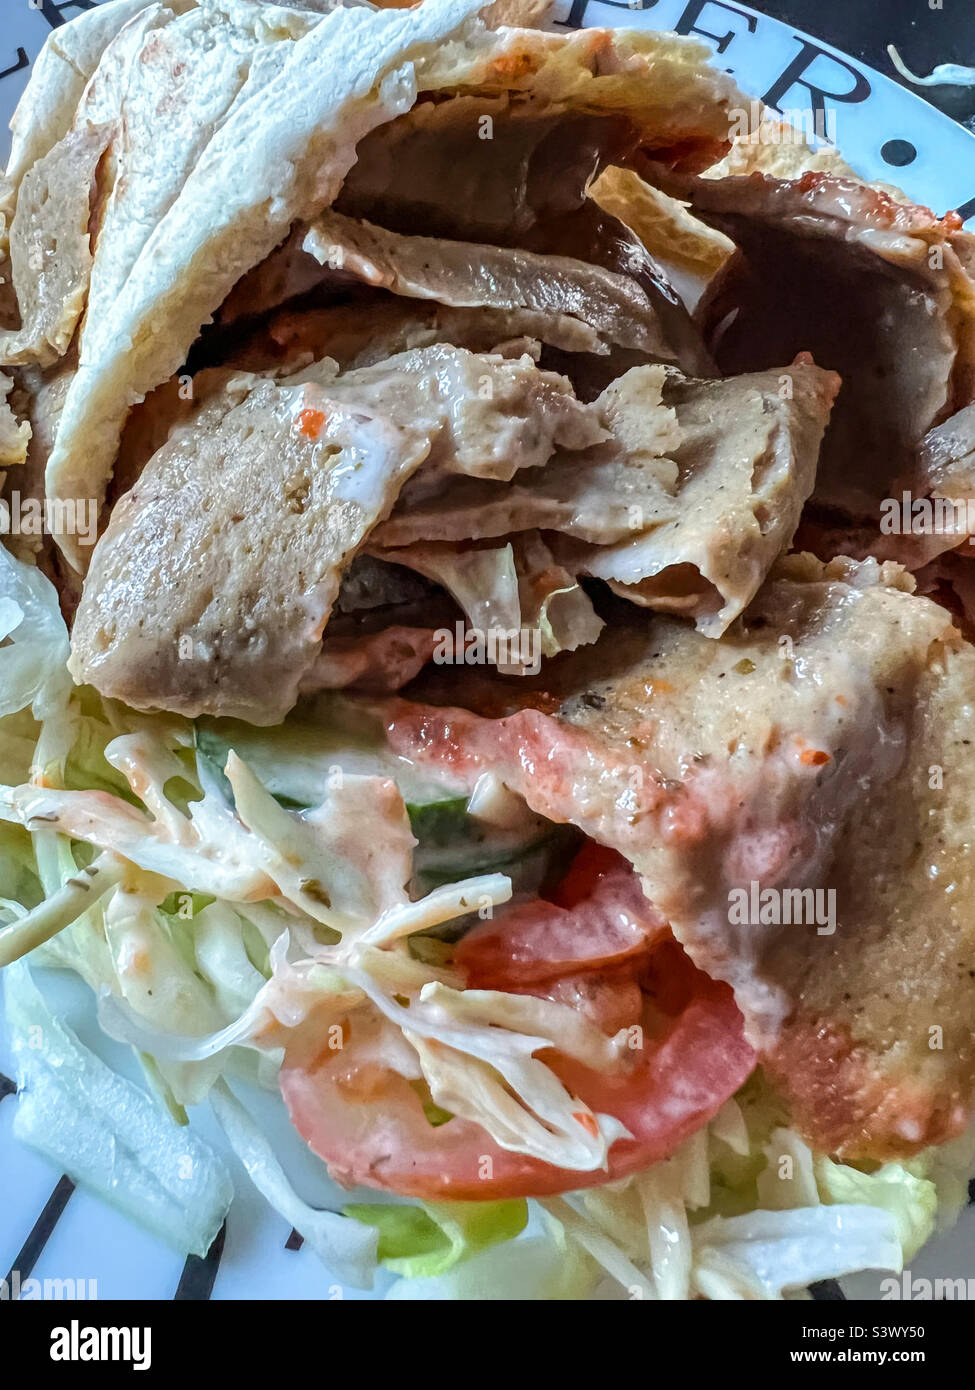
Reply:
x=687, y=24
x=793, y=76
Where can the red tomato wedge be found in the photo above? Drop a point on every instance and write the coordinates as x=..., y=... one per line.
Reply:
x=369, y=1125
x=599, y=918
x=589, y=870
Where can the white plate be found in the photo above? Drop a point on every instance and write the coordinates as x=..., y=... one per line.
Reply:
x=885, y=132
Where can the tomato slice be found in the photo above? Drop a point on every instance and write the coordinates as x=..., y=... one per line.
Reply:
x=599, y=917
x=593, y=864
x=681, y=1076
x=610, y=998
x=689, y=1055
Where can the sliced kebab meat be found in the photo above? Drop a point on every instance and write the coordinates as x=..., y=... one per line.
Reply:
x=466, y=275
x=223, y=562
x=684, y=508
x=874, y=288
x=198, y=200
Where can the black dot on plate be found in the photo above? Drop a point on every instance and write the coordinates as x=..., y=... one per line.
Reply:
x=899, y=153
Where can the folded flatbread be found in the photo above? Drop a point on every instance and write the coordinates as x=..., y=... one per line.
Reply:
x=795, y=754
x=265, y=139
x=70, y=55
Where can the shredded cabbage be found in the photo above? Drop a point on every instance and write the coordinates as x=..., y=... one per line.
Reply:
x=338, y=872
x=944, y=75
x=104, y=1132
x=33, y=640
x=348, y=1247
x=428, y=1240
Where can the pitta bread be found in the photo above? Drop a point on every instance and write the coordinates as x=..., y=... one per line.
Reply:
x=52, y=286
x=61, y=71
x=856, y=1058
x=162, y=137
x=280, y=155
x=518, y=14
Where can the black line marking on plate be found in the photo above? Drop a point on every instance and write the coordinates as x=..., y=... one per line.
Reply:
x=966, y=210
x=199, y=1275
x=41, y=1234
x=52, y=11
x=971, y=1193
x=827, y=1291
x=295, y=1241
x=22, y=62
x=7, y=1087
x=576, y=15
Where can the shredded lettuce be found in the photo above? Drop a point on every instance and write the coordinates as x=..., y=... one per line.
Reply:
x=530, y=1269
x=911, y=1201
x=346, y=1246
x=104, y=1132
x=33, y=639
x=426, y=1241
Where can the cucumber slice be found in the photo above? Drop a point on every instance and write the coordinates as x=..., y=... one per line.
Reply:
x=439, y=822
x=296, y=759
